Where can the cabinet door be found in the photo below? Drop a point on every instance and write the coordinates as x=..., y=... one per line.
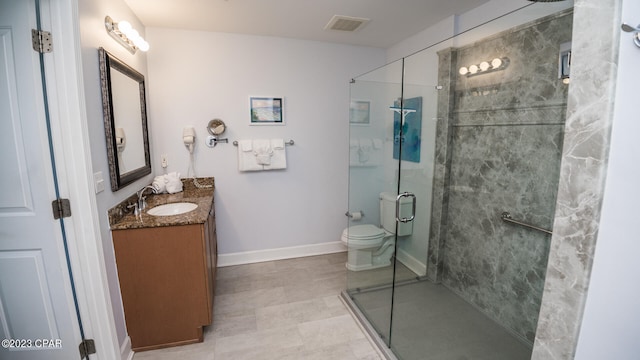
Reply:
x=163, y=276
x=210, y=242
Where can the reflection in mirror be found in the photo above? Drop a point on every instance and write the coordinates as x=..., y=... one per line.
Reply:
x=216, y=127
x=125, y=121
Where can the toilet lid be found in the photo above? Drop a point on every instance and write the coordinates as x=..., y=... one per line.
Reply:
x=364, y=232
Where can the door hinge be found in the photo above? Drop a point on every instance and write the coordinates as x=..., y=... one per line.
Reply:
x=41, y=40
x=86, y=348
x=61, y=208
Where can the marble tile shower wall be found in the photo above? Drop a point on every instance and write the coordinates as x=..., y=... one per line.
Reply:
x=498, y=148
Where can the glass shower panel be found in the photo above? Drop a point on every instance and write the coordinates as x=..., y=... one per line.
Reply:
x=422, y=90
x=372, y=171
x=493, y=111
x=419, y=118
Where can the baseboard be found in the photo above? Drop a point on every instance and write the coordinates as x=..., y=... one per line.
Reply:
x=250, y=257
x=411, y=262
x=125, y=350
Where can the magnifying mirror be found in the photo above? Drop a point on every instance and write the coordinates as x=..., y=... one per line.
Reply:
x=216, y=127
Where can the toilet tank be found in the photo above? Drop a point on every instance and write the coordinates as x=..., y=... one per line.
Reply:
x=388, y=213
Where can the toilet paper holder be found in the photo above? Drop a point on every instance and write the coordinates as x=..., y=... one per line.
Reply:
x=355, y=214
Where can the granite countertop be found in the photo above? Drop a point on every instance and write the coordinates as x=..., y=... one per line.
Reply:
x=121, y=218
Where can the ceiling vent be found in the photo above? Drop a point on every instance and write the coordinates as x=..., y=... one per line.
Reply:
x=346, y=23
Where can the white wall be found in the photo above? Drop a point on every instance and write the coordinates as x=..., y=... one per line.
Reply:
x=197, y=76
x=93, y=35
x=432, y=35
x=492, y=11
x=611, y=321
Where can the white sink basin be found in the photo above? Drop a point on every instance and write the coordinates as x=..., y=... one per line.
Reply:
x=172, y=209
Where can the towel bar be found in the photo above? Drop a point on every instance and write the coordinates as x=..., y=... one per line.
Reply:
x=290, y=142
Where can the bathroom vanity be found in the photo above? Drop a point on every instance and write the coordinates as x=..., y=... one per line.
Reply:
x=167, y=267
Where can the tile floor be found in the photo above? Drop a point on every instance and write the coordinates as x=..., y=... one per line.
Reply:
x=286, y=309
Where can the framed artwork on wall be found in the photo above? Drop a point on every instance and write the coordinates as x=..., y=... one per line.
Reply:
x=359, y=112
x=266, y=110
x=411, y=129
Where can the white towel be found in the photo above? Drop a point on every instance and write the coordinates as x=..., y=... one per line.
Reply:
x=261, y=154
x=366, y=144
x=262, y=151
x=367, y=153
x=174, y=184
x=245, y=145
x=277, y=144
x=278, y=156
x=159, y=184
x=354, y=144
x=121, y=139
x=246, y=158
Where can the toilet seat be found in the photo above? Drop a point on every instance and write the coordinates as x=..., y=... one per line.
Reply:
x=363, y=236
x=364, y=232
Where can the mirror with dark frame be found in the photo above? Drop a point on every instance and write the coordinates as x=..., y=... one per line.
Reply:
x=125, y=121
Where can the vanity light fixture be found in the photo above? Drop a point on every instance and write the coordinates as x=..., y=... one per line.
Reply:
x=484, y=67
x=126, y=35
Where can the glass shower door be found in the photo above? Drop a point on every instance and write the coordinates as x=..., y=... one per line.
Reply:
x=415, y=121
x=372, y=171
x=392, y=130
x=416, y=151
x=491, y=142
x=473, y=128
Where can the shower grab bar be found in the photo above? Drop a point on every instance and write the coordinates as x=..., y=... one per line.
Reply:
x=506, y=216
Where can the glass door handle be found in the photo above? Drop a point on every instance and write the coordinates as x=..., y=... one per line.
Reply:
x=413, y=212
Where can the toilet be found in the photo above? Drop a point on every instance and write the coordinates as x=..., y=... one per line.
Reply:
x=370, y=246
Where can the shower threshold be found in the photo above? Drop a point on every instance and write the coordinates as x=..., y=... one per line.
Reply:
x=372, y=334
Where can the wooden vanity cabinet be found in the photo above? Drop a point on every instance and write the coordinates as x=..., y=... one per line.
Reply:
x=167, y=281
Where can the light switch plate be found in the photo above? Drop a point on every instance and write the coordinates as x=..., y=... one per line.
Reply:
x=98, y=180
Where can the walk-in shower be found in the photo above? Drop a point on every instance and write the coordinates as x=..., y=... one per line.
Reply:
x=472, y=129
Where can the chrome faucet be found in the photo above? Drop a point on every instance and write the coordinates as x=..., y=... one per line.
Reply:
x=142, y=203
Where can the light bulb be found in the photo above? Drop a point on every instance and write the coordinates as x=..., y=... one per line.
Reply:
x=137, y=41
x=124, y=27
x=473, y=69
x=144, y=46
x=463, y=71
x=484, y=66
x=133, y=34
x=496, y=63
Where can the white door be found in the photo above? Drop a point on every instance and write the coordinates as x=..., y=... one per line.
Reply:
x=37, y=313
